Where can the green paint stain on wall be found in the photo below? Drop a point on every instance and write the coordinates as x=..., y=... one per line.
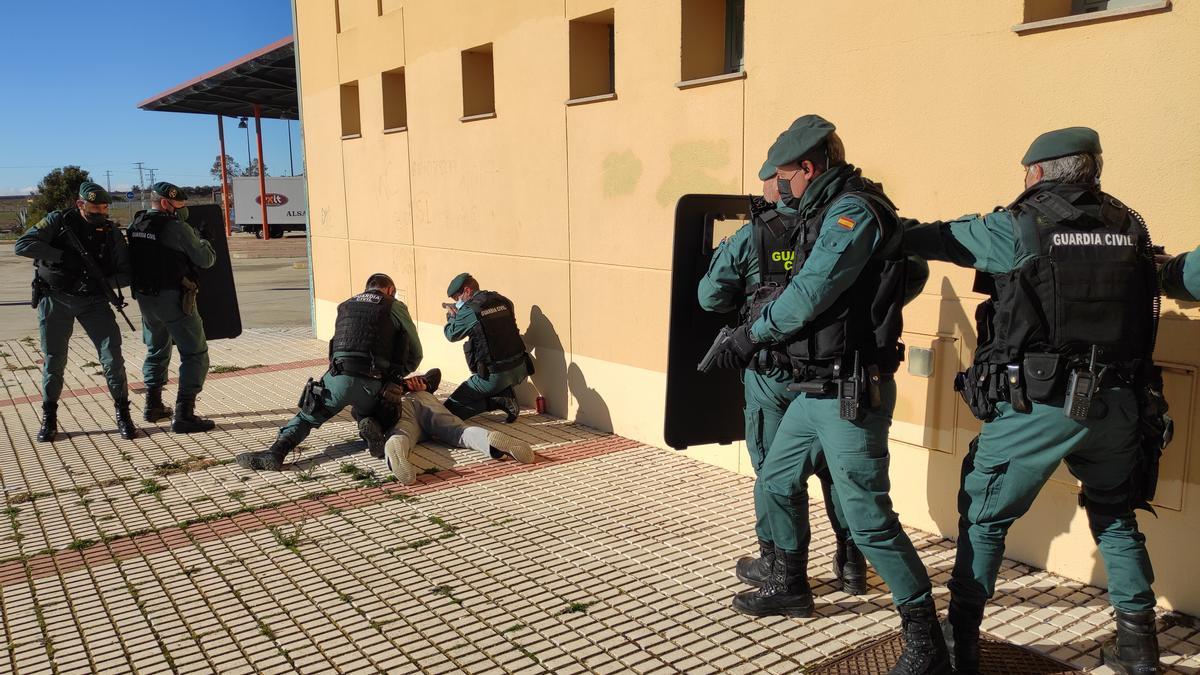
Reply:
x=621, y=173
x=693, y=165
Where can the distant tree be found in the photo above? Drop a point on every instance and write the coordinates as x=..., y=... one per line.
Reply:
x=232, y=168
x=252, y=170
x=58, y=189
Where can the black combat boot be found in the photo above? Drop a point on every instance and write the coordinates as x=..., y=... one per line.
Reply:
x=125, y=422
x=850, y=567
x=506, y=401
x=371, y=431
x=786, y=592
x=270, y=459
x=155, y=409
x=49, y=422
x=925, y=650
x=754, y=571
x=185, y=421
x=1135, y=649
x=963, y=641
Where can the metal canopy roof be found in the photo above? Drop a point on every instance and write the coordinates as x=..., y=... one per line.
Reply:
x=266, y=77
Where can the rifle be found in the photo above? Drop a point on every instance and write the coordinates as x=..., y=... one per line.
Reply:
x=93, y=271
x=706, y=363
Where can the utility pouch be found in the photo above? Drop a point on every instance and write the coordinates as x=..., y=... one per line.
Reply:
x=1044, y=374
x=874, y=380
x=1016, y=387
x=814, y=387
x=187, y=296
x=974, y=385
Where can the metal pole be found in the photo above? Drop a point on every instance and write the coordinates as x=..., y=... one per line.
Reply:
x=224, y=177
x=262, y=178
x=291, y=167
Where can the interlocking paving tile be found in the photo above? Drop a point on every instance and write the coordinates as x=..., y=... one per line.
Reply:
x=607, y=556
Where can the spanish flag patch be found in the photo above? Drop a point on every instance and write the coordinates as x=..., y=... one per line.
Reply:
x=846, y=223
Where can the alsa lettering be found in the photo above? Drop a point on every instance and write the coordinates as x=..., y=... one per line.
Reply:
x=1091, y=239
x=788, y=258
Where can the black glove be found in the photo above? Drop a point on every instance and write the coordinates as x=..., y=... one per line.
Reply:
x=70, y=259
x=738, y=350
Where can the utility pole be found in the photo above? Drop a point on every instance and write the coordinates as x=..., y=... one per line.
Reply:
x=151, y=172
x=141, y=184
x=108, y=179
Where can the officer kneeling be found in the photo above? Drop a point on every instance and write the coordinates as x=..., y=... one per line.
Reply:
x=374, y=343
x=1063, y=371
x=495, y=352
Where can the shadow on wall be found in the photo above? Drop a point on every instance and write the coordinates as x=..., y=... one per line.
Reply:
x=549, y=364
x=593, y=411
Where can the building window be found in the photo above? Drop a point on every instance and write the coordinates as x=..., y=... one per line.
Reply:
x=351, y=123
x=592, y=69
x=712, y=38
x=1042, y=14
x=478, y=83
x=395, y=100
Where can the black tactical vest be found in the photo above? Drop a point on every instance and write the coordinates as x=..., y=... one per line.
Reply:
x=1091, y=280
x=155, y=267
x=866, y=318
x=772, y=244
x=69, y=277
x=364, y=325
x=494, y=343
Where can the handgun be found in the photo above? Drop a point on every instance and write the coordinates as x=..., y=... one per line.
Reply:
x=706, y=363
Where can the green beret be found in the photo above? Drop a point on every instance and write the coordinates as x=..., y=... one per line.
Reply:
x=1062, y=142
x=456, y=284
x=92, y=193
x=805, y=134
x=767, y=170
x=169, y=190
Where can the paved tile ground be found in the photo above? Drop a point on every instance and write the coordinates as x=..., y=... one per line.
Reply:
x=605, y=556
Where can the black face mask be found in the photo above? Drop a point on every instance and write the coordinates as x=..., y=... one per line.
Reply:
x=95, y=218
x=785, y=192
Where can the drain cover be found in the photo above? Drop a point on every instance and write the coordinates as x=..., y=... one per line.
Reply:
x=999, y=658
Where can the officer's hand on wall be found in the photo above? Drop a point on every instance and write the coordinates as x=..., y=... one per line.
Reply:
x=738, y=350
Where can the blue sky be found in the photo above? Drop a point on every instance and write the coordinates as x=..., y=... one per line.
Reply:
x=72, y=74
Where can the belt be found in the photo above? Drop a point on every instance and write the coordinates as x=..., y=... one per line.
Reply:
x=356, y=367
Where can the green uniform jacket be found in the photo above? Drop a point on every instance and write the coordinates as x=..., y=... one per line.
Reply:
x=36, y=243
x=459, y=325
x=836, y=261
x=1180, y=277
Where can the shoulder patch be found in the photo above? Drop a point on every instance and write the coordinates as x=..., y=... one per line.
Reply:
x=846, y=223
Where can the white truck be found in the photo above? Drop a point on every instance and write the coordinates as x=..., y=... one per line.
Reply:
x=287, y=205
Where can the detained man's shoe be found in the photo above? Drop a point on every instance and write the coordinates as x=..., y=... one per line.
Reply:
x=396, y=453
x=433, y=378
x=755, y=571
x=519, y=450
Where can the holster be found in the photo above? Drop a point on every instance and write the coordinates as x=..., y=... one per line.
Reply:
x=311, y=398
x=1155, y=430
x=39, y=291
x=187, y=296
x=979, y=387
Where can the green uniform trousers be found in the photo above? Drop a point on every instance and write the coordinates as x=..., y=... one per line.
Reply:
x=164, y=324
x=856, y=453
x=767, y=399
x=471, y=397
x=57, y=313
x=1012, y=458
x=360, y=393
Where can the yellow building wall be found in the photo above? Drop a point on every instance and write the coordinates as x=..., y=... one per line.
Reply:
x=568, y=210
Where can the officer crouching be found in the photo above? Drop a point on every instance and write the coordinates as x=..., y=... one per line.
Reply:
x=64, y=245
x=374, y=343
x=495, y=352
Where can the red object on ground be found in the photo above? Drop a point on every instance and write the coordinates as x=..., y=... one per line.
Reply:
x=541, y=404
